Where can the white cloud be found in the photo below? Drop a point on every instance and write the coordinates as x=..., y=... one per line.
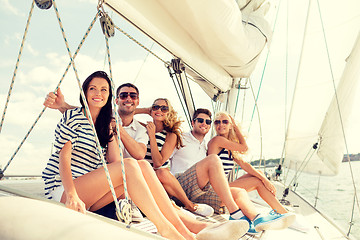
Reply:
x=30, y=159
x=6, y=6
x=31, y=50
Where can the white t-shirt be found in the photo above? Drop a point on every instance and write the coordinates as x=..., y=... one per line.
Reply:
x=192, y=152
x=137, y=132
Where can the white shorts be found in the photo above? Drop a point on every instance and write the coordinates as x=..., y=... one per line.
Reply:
x=57, y=193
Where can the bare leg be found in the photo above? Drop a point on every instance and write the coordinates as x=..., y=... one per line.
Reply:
x=93, y=189
x=250, y=183
x=173, y=187
x=162, y=199
x=192, y=224
x=242, y=200
x=210, y=170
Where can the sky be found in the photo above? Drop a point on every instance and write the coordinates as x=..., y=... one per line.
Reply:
x=44, y=60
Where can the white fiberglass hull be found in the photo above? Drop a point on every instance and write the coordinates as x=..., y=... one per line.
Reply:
x=25, y=218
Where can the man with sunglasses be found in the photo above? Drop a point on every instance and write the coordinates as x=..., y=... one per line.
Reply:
x=203, y=179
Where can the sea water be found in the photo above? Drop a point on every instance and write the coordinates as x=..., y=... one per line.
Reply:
x=335, y=197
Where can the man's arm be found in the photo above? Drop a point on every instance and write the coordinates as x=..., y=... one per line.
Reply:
x=135, y=147
x=57, y=101
x=143, y=110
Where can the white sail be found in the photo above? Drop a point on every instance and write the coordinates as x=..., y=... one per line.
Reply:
x=214, y=38
x=330, y=137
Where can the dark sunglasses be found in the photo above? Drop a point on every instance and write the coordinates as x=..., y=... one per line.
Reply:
x=201, y=120
x=124, y=95
x=217, y=122
x=164, y=109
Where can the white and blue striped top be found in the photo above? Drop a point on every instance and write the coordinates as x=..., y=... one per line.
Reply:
x=74, y=127
x=160, y=140
x=227, y=160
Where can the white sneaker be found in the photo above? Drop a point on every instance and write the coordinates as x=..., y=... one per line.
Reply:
x=188, y=213
x=203, y=210
x=135, y=213
x=229, y=230
x=300, y=224
x=273, y=221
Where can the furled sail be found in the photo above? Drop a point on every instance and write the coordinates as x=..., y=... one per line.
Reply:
x=302, y=133
x=217, y=39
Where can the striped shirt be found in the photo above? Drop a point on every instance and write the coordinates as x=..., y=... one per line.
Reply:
x=160, y=140
x=74, y=127
x=227, y=160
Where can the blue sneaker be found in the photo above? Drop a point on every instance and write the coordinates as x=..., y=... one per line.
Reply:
x=251, y=229
x=274, y=221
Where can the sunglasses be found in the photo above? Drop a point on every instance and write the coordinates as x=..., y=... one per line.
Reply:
x=124, y=95
x=217, y=122
x=164, y=109
x=201, y=120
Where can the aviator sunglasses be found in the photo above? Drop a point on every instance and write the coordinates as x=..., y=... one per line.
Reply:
x=225, y=121
x=124, y=95
x=201, y=120
x=164, y=109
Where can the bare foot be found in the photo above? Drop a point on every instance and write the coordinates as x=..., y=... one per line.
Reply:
x=171, y=233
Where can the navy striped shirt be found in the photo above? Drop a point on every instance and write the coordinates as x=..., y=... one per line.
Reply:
x=227, y=160
x=160, y=140
x=74, y=127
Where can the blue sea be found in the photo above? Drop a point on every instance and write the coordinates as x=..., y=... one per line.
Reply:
x=335, y=196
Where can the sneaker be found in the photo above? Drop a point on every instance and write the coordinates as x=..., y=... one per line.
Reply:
x=136, y=215
x=274, y=221
x=230, y=230
x=188, y=213
x=203, y=210
x=300, y=224
x=125, y=210
x=251, y=230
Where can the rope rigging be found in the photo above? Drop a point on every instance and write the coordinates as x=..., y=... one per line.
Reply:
x=182, y=86
x=16, y=66
x=339, y=110
x=62, y=78
x=178, y=94
x=124, y=214
x=141, y=45
x=90, y=118
x=316, y=145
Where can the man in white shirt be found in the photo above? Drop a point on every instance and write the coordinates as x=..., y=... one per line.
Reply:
x=132, y=134
x=203, y=179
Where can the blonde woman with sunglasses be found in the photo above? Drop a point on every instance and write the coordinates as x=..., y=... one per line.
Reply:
x=229, y=143
x=165, y=135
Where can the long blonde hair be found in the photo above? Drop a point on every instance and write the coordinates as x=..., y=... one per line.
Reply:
x=172, y=123
x=232, y=135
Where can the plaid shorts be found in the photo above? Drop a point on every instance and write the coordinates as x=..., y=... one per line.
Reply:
x=207, y=195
